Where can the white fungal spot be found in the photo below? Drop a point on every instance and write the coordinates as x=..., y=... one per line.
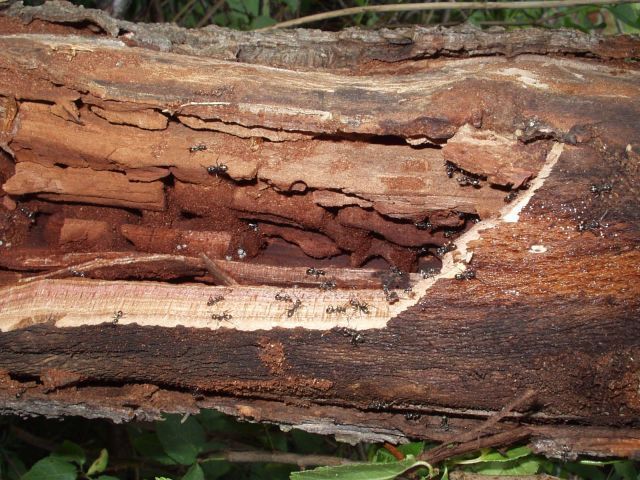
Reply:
x=241, y=253
x=537, y=249
x=523, y=76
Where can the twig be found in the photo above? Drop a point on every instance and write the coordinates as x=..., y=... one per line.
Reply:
x=394, y=451
x=406, y=7
x=209, y=13
x=187, y=6
x=254, y=456
x=216, y=272
x=31, y=439
x=471, y=441
x=86, y=267
x=443, y=452
x=523, y=399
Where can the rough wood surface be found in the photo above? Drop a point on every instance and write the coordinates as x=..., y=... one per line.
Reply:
x=502, y=183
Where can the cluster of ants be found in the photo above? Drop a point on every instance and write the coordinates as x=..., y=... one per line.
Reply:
x=465, y=178
x=597, y=190
x=219, y=317
x=468, y=179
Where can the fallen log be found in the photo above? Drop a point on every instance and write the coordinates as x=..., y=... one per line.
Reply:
x=387, y=247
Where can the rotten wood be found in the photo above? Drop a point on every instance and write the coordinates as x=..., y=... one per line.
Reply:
x=391, y=246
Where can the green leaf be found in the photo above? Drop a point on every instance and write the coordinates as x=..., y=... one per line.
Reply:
x=237, y=5
x=487, y=455
x=522, y=466
x=445, y=474
x=215, y=468
x=181, y=441
x=51, y=468
x=70, y=452
x=509, y=455
x=162, y=478
x=360, y=471
x=261, y=22
x=99, y=464
x=107, y=477
x=214, y=421
x=383, y=455
x=194, y=473
x=148, y=445
x=237, y=20
x=413, y=448
x=252, y=7
x=626, y=14
x=626, y=470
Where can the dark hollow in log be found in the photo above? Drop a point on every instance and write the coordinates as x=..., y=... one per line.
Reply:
x=360, y=247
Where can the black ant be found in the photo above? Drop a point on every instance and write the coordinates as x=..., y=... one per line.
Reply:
x=283, y=297
x=450, y=168
x=464, y=180
x=510, y=197
x=296, y=305
x=468, y=216
x=359, y=306
x=117, y=316
x=253, y=226
x=356, y=337
x=391, y=296
x=330, y=285
x=217, y=169
x=29, y=214
x=214, y=300
x=315, y=272
x=379, y=405
x=396, y=272
x=424, y=225
x=198, y=148
x=336, y=309
x=466, y=275
x=224, y=316
x=449, y=247
x=409, y=291
x=444, y=423
x=428, y=273
x=583, y=226
x=590, y=225
x=598, y=189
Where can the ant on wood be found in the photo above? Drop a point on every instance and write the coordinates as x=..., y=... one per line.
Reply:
x=197, y=148
x=116, y=317
x=315, y=272
x=213, y=300
x=217, y=169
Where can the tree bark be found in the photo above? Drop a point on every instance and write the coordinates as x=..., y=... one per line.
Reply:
x=377, y=235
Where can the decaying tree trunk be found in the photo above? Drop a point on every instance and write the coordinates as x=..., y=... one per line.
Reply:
x=370, y=234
